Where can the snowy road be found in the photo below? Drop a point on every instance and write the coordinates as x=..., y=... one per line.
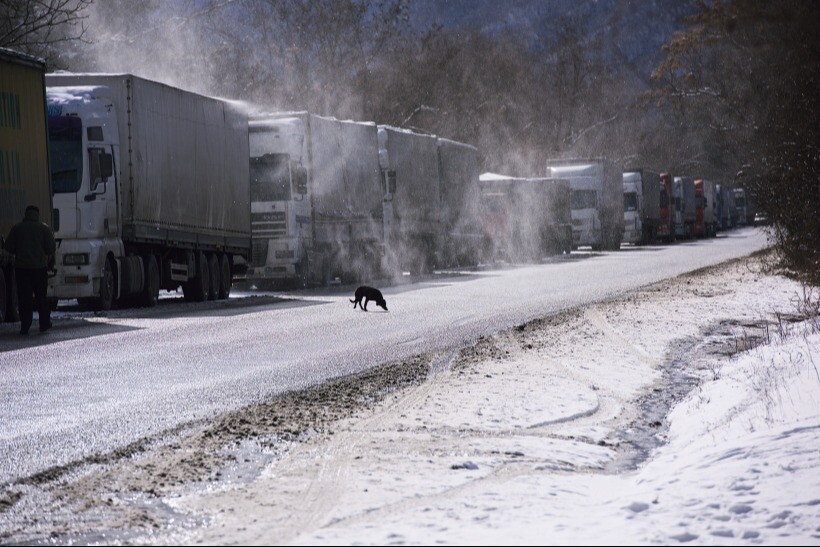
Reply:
x=94, y=384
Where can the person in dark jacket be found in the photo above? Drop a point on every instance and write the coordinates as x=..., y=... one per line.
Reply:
x=32, y=244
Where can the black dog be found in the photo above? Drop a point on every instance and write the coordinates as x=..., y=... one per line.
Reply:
x=368, y=293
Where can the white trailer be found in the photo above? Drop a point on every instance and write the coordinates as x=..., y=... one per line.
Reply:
x=597, y=201
x=150, y=188
x=316, y=200
x=461, y=239
x=412, y=202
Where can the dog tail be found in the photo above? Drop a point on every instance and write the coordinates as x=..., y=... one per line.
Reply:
x=352, y=301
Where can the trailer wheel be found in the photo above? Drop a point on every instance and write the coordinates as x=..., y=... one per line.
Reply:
x=213, y=270
x=150, y=293
x=225, y=279
x=197, y=288
x=105, y=300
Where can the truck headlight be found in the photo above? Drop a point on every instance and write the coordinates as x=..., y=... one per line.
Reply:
x=75, y=259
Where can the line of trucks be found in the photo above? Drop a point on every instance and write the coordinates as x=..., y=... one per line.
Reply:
x=659, y=207
x=155, y=188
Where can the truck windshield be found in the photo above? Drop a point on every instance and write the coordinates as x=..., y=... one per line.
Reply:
x=630, y=201
x=584, y=199
x=270, y=178
x=65, y=148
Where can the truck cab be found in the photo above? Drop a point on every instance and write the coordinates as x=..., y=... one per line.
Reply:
x=281, y=221
x=597, y=201
x=633, y=198
x=83, y=142
x=317, y=200
x=705, y=208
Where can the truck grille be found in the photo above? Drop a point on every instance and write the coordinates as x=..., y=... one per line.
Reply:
x=270, y=224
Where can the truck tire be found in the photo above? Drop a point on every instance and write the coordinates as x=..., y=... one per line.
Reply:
x=225, y=279
x=197, y=288
x=213, y=270
x=150, y=292
x=105, y=300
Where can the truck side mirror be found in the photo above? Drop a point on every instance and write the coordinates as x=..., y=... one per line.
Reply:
x=300, y=178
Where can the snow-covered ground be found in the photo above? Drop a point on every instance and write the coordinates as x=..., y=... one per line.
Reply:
x=531, y=436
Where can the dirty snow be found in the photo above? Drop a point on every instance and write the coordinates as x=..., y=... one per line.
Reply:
x=538, y=436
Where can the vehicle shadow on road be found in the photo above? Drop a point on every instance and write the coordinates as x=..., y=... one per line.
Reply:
x=173, y=307
x=73, y=329
x=641, y=248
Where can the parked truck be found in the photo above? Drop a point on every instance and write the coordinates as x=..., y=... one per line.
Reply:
x=24, y=166
x=704, y=209
x=526, y=218
x=317, y=194
x=461, y=238
x=151, y=188
x=725, y=208
x=641, y=206
x=412, y=201
x=666, y=224
x=597, y=201
x=684, y=192
x=740, y=213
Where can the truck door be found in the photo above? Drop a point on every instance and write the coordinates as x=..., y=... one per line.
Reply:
x=97, y=206
x=82, y=180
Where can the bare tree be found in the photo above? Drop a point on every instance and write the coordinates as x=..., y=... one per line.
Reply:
x=43, y=28
x=322, y=52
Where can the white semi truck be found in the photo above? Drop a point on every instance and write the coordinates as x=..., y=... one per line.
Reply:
x=683, y=190
x=642, y=212
x=317, y=197
x=526, y=218
x=597, y=201
x=150, y=188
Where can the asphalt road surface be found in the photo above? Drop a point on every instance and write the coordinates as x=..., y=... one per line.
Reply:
x=97, y=382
